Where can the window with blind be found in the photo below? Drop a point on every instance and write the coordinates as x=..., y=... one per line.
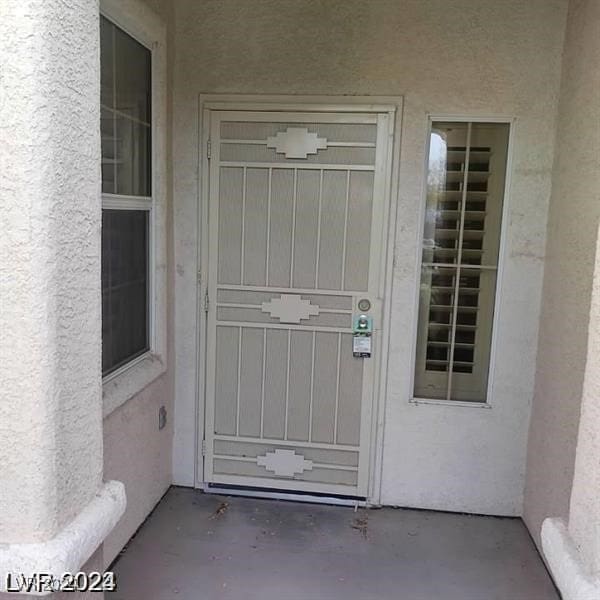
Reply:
x=465, y=189
x=125, y=127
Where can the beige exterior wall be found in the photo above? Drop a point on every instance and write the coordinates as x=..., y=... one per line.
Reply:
x=443, y=56
x=452, y=57
x=570, y=254
x=136, y=452
x=139, y=455
x=50, y=402
x=55, y=509
x=584, y=518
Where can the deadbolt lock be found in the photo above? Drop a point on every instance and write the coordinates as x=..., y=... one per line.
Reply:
x=364, y=304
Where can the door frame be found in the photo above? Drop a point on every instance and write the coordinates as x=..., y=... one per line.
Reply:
x=392, y=105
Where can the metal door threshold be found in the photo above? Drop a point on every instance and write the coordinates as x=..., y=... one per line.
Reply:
x=252, y=492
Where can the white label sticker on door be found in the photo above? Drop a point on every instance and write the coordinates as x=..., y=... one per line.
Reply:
x=361, y=346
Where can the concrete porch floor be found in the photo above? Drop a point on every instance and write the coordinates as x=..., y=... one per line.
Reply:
x=196, y=546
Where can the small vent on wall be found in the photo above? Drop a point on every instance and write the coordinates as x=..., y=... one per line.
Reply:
x=162, y=417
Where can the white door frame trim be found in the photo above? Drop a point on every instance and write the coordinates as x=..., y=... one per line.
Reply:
x=289, y=103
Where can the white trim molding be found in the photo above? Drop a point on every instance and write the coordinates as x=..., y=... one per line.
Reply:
x=143, y=24
x=393, y=107
x=566, y=565
x=71, y=547
x=130, y=380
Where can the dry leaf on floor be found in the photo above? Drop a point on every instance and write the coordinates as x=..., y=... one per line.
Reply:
x=220, y=510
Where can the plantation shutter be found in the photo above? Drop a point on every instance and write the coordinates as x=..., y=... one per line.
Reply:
x=465, y=189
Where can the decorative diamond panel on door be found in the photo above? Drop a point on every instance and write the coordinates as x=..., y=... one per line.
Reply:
x=296, y=235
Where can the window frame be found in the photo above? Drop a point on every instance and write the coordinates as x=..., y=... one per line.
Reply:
x=145, y=27
x=453, y=118
x=145, y=204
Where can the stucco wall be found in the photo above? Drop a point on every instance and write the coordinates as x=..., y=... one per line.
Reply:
x=93, y=564
x=584, y=519
x=484, y=58
x=584, y=516
x=136, y=452
x=139, y=455
x=50, y=404
x=570, y=252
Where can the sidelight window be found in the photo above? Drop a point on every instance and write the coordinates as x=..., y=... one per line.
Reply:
x=465, y=189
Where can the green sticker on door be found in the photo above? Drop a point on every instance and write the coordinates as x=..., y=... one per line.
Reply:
x=361, y=341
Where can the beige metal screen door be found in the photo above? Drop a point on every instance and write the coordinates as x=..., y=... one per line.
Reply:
x=296, y=240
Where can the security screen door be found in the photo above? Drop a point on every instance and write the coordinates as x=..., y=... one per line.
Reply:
x=296, y=239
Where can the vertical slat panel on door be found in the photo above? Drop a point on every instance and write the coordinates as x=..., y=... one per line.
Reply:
x=300, y=386
x=275, y=385
x=280, y=255
x=255, y=228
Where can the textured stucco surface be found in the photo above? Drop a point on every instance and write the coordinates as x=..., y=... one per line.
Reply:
x=584, y=516
x=484, y=58
x=93, y=564
x=50, y=406
x=573, y=578
x=73, y=546
x=139, y=455
x=570, y=254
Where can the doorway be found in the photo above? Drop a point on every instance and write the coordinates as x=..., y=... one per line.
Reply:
x=297, y=205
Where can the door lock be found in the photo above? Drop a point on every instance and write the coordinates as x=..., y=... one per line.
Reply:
x=364, y=305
